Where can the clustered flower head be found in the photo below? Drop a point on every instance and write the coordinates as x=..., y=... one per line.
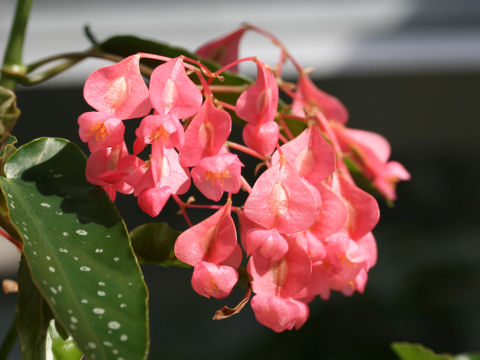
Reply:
x=305, y=228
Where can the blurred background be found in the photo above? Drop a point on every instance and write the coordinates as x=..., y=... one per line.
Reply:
x=409, y=70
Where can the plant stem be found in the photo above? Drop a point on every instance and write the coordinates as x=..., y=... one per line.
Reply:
x=14, y=51
x=9, y=340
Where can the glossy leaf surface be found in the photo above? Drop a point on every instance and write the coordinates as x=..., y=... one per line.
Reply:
x=77, y=248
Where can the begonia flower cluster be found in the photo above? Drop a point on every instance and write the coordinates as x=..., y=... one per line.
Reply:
x=305, y=229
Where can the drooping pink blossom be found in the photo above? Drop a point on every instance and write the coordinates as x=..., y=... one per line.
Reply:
x=276, y=283
x=261, y=137
x=213, y=240
x=166, y=130
x=223, y=50
x=281, y=199
x=211, y=280
x=371, y=151
x=278, y=313
x=211, y=247
x=310, y=154
x=100, y=129
x=215, y=174
x=308, y=95
x=163, y=177
x=206, y=134
x=258, y=104
x=118, y=89
x=103, y=169
x=172, y=91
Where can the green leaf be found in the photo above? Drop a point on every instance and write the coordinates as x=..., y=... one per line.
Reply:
x=468, y=356
x=409, y=351
x=9, y=112
x=34, y=317
x=153, y=244
x=60, y=348
x=77, y=248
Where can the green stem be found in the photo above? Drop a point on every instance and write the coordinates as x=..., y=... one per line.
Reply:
x=9, y=340
x=12, y=60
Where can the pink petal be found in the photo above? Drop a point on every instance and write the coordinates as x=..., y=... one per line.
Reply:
x=262, y=137
x=285, y=277
x=363, y=212
x=100, y=130
x=152, y=200
x=212, y=240
x=278, y=313
x=270, y=244
x=172, y=91
x=224, y=50
x=166, y=130
x=309, y=95
x=215, y=174
x=333, y=213
x=210, y=280
x=258, y=104
x=310, y=154
x=281, y=199
x=206, y=134
x=118, y=89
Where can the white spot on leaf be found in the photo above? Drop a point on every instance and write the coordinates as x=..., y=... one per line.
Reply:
x=45, y=205
x=98, y=311
x=81, y=232
x=114, y=325
x=84, y=268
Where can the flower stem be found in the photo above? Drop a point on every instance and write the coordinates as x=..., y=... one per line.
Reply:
x=9, y=340
x=14, y=51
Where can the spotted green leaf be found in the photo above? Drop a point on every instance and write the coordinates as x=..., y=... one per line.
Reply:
x=409, y=351
x=77, y=248
x=153, y=244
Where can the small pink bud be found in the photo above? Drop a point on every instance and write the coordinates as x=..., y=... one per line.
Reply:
x=262, y=137
x=100, y=130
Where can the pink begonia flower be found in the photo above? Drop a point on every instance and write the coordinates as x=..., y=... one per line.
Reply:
x=285, y=277
x=118, y=89
x=211, y=247
x=215, y=174
x=172, y=91
x=213, y=240
x=166, y=130
x=223, y=50
x=103, y=169
x=206, y=134
x=281, y=199
x=278, y=313
x=371, y=152
x=276, y=284
x=258, y=104
x=100, y=129
x=308, y=95
x=310, y=154
x=268, y=243
x=164, y=176
x=211, y=280
x=262, y=137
